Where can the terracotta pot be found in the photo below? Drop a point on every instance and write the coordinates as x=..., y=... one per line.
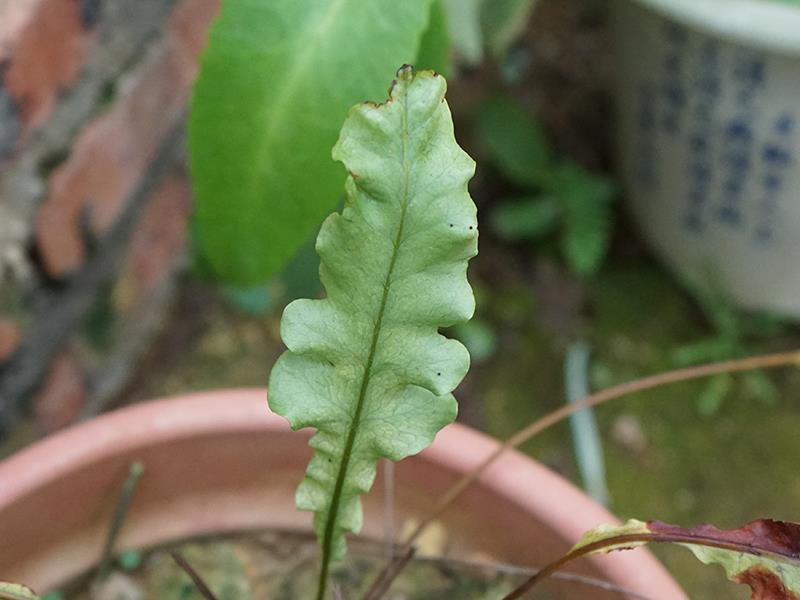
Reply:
x=221, y=462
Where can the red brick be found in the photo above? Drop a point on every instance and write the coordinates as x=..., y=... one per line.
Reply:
x=157, y=244
x=62, y=395
x=44, y=46
x=189, y=25
x=9, y=339
x=113, y=151
x=14, y=18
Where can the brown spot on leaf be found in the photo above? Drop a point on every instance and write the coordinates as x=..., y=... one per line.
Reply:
x=765, y=585
x=762, y=536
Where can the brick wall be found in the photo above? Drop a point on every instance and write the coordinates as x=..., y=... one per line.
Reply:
x=93, y=193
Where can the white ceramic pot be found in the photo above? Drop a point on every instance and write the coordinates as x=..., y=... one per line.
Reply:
x=709, y=133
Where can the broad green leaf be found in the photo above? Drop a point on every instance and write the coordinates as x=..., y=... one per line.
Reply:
x=514, y=142
x=464, y=25
x=527, y=218
x=588, y=217
x=15, y=591
x=764, y=554
x=367, y=366
x=503, y=21
x=434, y=49
x=275, y=85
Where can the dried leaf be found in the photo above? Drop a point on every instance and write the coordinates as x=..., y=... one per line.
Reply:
x=764, y=554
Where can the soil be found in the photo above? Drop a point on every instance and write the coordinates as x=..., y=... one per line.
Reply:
x=282, y=566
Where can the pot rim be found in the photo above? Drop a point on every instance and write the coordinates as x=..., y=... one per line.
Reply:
x=766, y=24
x=515, y=479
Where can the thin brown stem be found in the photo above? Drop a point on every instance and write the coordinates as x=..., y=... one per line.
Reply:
x=388, y=508
x=514, y=570
x=135, y=472
x=393, y=568
x=768, y=361
x=201, y=586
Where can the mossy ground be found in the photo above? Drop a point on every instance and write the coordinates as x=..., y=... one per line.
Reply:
x=727, y=469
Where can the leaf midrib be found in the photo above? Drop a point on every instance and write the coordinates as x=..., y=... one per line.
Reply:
x=333, y=511
x=277, y=110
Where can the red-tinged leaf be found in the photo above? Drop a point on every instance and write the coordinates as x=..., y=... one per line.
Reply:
x=764, y=554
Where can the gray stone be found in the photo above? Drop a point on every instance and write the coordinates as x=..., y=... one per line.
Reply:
x=9, y=123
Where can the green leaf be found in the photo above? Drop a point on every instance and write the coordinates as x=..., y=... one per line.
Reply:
x=602, y=534
x=478, y=337
x=514, y=142
x=15, y=591
x=464, y=25
x=711, y=349
x=588, y=217
x=732, y=332
x=764, y=554
x=367, y=366
x=275, y=85
x=434, y=49
x=503, y=21
x=526, y=218
x=130, y=560
x=713, y=394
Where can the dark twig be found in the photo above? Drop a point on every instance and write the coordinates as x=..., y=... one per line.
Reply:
x=388, y=507
x=120, y=512
x=193, y=575
x=381, y=585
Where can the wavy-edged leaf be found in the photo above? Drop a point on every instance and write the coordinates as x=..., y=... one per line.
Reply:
x=15, y=591
x=367, y=366
x=276, y=82
x=764, y=554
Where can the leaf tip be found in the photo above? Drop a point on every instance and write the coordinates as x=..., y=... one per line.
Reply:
x=405, y=72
